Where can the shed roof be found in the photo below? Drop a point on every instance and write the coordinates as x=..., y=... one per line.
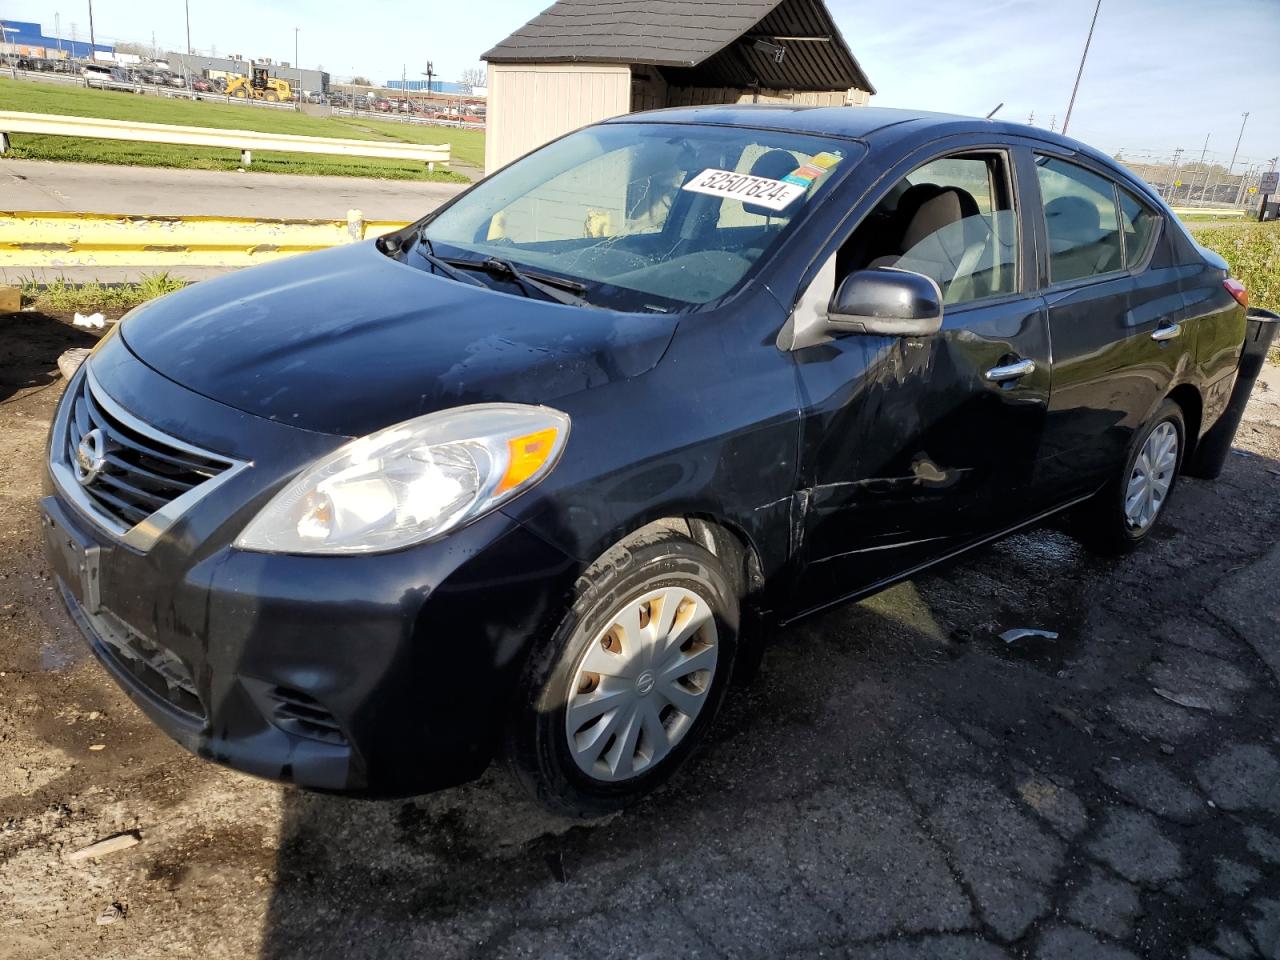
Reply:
x=703, y=42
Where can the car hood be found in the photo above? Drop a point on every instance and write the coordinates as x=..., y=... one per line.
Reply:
x=348, y=341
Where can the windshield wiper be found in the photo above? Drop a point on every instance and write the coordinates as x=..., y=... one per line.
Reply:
x=444, y=266
x=558, y=289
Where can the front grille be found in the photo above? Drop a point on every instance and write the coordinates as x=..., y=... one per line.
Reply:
x=141, y=470
x=154, y=667
x=295, y=712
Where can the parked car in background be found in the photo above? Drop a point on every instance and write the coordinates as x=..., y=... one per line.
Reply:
x=201, y=85
x=528, y=477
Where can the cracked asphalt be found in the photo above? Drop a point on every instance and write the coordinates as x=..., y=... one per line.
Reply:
x=898, y=784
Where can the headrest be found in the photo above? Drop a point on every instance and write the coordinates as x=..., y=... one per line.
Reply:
x=1072, y=218
x=947, y=206
x=774, y=164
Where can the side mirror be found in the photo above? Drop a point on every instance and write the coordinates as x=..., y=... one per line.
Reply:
x=887, y=302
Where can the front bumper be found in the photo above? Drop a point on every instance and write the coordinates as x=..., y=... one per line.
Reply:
x=388, y=675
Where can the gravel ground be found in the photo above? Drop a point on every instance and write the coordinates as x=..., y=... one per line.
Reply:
x=898, y=783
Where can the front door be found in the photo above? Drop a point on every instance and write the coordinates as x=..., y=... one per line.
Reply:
x=914, y=447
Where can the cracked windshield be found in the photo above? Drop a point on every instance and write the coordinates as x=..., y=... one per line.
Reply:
x=657, y=217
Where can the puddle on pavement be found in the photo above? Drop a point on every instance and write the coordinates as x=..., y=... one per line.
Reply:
x=1039, y=581
x=1067, y=620
x=1042, y=547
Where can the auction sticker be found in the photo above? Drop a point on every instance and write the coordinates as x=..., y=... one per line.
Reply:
x=761, y=191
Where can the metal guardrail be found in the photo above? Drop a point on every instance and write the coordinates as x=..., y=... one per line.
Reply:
x=246, y=141
x=64, y=239
x=1223, y=212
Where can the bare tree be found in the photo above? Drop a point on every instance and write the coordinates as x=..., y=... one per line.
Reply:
x=473, y=77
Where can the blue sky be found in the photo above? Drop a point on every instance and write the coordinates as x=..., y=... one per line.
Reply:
x=1161, y=73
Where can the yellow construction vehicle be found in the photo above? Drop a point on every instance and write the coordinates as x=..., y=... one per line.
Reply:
x=261, y=87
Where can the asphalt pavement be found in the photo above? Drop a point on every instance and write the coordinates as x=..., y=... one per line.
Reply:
x=898, y=784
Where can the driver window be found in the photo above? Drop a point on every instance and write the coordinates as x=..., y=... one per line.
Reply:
x=952, y=220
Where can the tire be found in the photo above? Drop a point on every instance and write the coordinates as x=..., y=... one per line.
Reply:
x=271, y=97
x=603, y=766
x=239, y=95
x=1106, y=524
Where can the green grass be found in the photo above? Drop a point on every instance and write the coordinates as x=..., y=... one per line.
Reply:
x=467, y=145
x=63, y=296
x=1253, y=251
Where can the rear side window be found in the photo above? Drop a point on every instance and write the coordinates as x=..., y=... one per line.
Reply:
x=1138, y=221
x=1080, y=214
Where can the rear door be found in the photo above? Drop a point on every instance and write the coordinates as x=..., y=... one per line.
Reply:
x=913, y=447
x=1116, y=320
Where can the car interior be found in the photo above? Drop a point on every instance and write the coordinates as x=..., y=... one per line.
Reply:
x=932, y=222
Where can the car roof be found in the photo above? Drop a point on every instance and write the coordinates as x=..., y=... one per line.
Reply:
x=873, y=124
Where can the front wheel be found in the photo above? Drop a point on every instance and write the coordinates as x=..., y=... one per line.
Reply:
x=631, y=679
x=1124, y=512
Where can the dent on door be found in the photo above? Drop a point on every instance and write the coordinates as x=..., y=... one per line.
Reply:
x=910, y=448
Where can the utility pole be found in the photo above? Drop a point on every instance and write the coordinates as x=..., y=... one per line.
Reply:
x=93, y=43
x=297, y=66
x=1244, y=119
x=1173, y=177
x=57, y=29
x=188, y=3
x=1080, y=72
x=1203, y=168
x=1244, y=183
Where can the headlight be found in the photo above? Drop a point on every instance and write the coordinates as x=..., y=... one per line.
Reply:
x=411, y=482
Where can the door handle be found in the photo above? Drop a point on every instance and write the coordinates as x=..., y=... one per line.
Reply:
x=1167, y=332
x=1011, y=371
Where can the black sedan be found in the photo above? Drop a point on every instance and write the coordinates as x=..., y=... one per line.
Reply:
x=529, y=477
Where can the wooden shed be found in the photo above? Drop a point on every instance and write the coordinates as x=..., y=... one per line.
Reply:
x=581, y=61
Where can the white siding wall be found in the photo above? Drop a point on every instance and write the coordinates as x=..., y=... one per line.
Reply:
x=697, y=96
x=531, y=104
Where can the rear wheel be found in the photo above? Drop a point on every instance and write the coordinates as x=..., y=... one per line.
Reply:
x=271, y=96
x=1124, y=513
x=630, y=680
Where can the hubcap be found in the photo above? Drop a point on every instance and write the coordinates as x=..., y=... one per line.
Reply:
x=641, y=684
x=1152, y=476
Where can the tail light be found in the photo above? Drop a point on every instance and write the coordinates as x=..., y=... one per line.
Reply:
x=1237, y=290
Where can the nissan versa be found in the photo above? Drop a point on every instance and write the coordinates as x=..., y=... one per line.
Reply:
x=525, y=478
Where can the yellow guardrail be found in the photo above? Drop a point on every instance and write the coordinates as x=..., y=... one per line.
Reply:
x=58, y=239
